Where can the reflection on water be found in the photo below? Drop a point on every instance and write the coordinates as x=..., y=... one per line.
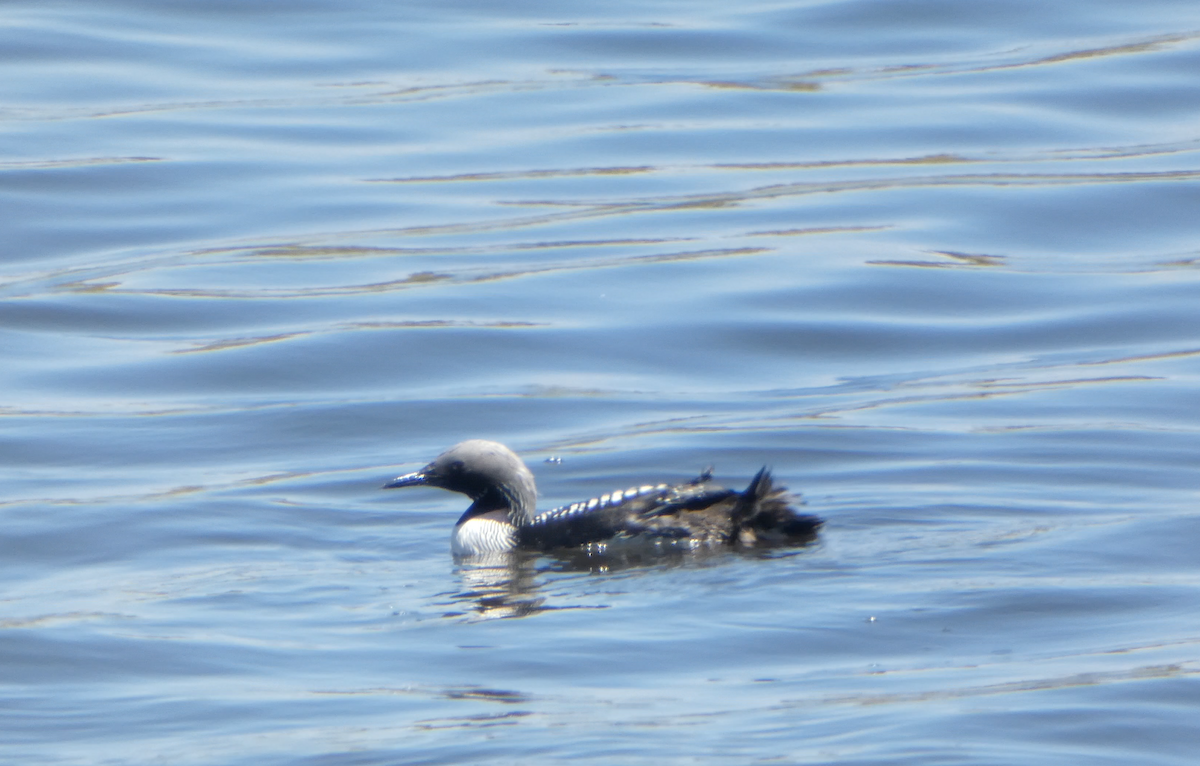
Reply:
x=499, y=585
x=511, y=584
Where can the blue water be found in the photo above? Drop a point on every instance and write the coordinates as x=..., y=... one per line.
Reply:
x=933, y=261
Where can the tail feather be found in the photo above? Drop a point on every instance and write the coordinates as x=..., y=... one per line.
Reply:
x=751, y=498
x=764, y=512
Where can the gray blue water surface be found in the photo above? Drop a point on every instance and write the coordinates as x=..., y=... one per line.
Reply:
x=936, y=262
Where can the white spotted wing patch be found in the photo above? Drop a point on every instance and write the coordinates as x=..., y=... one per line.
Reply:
x=610, y=500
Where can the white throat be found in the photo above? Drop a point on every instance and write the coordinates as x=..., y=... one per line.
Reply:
x=486, y=533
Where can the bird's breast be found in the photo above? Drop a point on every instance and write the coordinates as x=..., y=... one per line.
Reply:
x=486, y=533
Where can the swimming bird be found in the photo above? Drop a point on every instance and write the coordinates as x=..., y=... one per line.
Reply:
x=503, y=515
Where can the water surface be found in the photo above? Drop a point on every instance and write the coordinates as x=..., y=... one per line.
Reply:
x=933, y=262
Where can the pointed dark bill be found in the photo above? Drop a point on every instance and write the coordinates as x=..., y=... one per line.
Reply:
x=407, y=480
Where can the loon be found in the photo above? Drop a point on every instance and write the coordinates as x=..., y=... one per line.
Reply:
x=503, y=515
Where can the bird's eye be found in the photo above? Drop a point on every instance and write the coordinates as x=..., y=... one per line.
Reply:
x=456, y=466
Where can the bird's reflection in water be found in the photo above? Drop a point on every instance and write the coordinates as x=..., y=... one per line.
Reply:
x=497, y=585
x=508, y=584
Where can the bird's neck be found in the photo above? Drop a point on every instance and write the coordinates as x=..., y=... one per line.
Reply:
x=518, y=505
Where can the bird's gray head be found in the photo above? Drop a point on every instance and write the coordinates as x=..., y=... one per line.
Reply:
x=487, y=472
